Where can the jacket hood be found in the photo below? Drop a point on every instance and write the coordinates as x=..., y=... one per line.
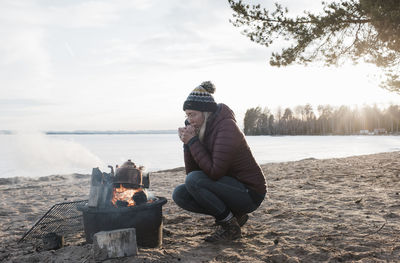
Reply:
x=223, y=112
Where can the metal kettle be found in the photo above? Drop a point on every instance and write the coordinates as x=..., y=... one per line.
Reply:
x=132, y=176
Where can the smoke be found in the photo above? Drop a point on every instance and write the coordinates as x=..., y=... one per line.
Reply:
x=39, y=155
x=150, y=195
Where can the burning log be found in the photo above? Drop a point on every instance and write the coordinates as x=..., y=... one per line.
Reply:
x=130, y=196
x=140, y=198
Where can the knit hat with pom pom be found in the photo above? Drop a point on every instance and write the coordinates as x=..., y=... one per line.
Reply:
x=200, y=98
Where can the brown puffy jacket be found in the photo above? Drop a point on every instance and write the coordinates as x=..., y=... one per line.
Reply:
x=224, y=152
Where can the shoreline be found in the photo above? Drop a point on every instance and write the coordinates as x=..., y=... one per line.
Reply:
x=316, y=210
x=13, y=179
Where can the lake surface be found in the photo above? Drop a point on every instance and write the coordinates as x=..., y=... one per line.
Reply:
x=40, y=155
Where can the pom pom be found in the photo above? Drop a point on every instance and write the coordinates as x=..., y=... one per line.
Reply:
x=208, y=86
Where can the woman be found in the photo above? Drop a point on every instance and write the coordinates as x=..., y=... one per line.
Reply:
x=223, y=179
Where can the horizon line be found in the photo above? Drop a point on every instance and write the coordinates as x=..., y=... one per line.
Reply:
x=168, y=131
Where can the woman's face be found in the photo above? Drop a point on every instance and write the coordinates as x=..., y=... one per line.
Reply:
x=195, y=118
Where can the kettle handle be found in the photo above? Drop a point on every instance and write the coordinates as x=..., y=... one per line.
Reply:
x=112, y=170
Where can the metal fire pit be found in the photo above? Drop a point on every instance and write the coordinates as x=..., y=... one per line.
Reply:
x=145, y=218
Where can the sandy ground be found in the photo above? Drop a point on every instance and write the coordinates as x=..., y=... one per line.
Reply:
x=333, y=210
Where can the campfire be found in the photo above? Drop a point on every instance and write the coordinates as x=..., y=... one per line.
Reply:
x=129, y=186
x=123, y=197
x=121, y=200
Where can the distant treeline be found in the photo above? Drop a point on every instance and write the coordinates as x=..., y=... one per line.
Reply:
x=302, y=120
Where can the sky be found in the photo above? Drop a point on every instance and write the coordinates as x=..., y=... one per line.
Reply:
x=130, y=64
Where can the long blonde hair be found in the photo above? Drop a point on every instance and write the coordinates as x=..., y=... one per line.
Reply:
x=203, y=126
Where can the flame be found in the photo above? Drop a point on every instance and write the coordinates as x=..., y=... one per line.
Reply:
x=124, y=194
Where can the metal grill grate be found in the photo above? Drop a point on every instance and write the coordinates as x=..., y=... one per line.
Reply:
x=62, y=218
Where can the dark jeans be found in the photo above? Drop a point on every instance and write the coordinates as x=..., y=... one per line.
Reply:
x=202, y=195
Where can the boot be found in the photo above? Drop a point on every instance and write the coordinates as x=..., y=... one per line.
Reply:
x=229, y=230
x=242, y=219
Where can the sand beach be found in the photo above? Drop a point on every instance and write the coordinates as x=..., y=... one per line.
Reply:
x=331, y=210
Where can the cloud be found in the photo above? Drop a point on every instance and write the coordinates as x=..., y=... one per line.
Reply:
x=193, y=35
x=25, y=64
x=20, y=109
x=86, y=14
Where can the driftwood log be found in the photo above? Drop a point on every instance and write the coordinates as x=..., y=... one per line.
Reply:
x=100, y=189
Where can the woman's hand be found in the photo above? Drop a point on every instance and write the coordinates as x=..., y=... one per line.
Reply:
x=186, y=133
x=180, y=132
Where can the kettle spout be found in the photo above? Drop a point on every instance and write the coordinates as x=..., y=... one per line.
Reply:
x=112, y=170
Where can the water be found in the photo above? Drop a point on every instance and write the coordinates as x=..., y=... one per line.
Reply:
x=40, y=155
